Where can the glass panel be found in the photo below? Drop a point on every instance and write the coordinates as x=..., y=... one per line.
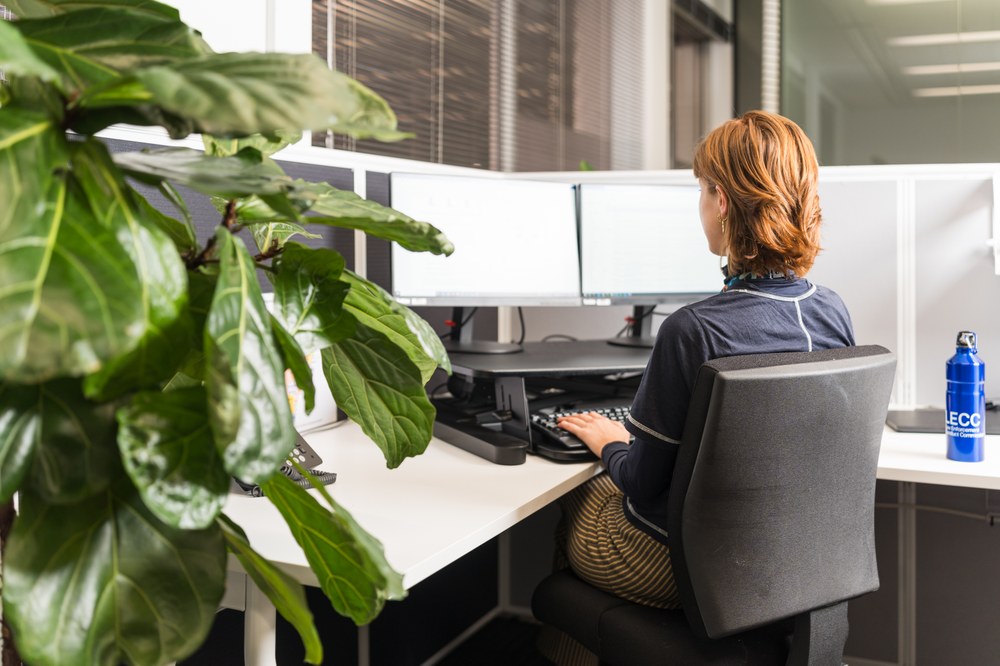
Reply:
x=894, y=81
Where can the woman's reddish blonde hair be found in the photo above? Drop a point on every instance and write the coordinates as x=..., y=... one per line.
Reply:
x=766, y=166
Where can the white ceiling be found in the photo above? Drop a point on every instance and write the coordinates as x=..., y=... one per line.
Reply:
x=842, y=47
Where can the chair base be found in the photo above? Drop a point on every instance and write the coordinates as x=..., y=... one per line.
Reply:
x=820, y=637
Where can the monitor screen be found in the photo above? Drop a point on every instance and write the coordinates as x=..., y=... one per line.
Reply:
x=515, y=242
x=643, y=244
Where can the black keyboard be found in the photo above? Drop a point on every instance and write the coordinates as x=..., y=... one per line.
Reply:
x=545, y=423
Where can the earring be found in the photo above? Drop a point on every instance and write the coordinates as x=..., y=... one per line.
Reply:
x=722, y=221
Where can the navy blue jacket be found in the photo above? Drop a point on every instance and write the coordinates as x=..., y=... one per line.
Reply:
x=753, y=316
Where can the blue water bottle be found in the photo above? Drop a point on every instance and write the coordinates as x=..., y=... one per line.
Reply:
x=965, y=402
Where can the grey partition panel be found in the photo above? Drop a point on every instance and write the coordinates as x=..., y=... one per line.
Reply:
x=858, y=259
x=955, y=286
x=874, y=618
x=206, y=217
x=379, y=253
x=583, y=323
x=958, y=578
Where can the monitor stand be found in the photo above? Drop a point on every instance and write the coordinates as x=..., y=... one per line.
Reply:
x=460, y=341
x=640, y=332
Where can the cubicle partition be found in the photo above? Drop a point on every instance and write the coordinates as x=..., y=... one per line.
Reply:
x=909, y=248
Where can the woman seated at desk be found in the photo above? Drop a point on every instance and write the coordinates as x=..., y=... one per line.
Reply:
x=760, y=209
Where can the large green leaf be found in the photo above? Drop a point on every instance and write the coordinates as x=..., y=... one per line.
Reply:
x=349, y=563
x=273, y=235
x=201, y=291
x=227, y=177
x=225, y=147
x=285, y=593
x=162, y=278
x=181, y=233
x=379, y=387
x=129, y=110
x=309, y=296
x=20, y=429
x=341, y=208
x=70, y=298
x=103, y=582
x=248, y=403
x=371, y=119
x=296, y=362
x=238, y=94
x=41, y=8
x=75, y=455
x=95, y=45
x=17, y=58
x=167, y=447
x=34, y=95
x=375, y=308
x=76, y=73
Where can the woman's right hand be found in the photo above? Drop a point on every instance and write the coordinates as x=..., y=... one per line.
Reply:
x=594, y=430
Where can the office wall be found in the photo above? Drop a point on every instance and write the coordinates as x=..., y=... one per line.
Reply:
x=251, y=25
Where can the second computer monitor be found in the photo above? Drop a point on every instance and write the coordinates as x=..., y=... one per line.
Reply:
x=643, y=245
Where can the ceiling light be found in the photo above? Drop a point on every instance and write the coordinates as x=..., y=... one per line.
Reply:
x=955, y=91
x=956, y=68
x=946, y=38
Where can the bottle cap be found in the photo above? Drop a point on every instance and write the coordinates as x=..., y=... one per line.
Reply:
x=966, y=339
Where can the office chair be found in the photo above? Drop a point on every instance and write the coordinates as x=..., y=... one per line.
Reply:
x=770, y=515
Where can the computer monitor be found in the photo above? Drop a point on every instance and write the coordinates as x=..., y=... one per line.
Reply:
x=515, y=243
x=643, y=245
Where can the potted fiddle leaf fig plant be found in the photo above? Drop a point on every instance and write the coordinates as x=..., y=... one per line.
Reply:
x=140, y=370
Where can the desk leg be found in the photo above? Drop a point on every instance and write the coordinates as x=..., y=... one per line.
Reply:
x=260, y=625
x=907, y=533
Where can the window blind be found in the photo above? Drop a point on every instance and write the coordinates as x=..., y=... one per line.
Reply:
x=526, y=85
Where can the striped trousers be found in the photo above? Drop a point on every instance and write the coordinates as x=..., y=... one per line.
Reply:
x=602, y=547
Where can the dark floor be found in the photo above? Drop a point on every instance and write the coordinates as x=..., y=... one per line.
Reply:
x=505, y=641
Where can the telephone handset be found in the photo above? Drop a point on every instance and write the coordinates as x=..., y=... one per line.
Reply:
x=303, y=454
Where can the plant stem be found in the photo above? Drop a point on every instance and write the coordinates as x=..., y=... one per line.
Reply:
x=9, y=655
x=230, y=217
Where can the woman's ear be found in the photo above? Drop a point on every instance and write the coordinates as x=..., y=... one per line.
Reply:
x=723, y=202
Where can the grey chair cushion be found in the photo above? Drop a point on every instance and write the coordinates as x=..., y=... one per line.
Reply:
x=626, y=634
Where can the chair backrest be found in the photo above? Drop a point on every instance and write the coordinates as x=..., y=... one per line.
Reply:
x=771, y=509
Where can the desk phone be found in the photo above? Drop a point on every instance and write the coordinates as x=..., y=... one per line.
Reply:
x=303, y=454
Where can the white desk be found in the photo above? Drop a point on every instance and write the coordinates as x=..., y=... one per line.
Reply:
x=429, y=512
x=920, y=458
x=439, y=506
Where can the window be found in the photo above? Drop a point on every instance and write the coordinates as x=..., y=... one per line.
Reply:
x=894, y=81
x=526, y=85
x=701, y=94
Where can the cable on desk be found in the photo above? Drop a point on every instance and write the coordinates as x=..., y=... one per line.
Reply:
x=433, y=391
x=632, y=322
x=452, y=324
x=520, y=315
